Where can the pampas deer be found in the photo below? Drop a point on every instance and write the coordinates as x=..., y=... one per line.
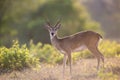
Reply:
x=76, y=42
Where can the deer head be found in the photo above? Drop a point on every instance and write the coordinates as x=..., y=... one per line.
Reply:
x=53, y=29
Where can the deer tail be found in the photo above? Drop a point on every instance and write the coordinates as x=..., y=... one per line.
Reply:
x=99, y=36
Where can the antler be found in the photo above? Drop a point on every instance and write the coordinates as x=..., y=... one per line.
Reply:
x=48, y=23
x=57, y=22
x=47, y=26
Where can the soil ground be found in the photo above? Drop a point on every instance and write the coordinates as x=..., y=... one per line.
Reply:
x=84, y=69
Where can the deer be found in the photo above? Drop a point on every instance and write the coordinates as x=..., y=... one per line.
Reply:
x=74, y=43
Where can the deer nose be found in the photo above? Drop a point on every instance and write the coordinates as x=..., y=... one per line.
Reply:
x=52, y=34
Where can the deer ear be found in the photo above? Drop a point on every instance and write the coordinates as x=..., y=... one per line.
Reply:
x=47, y=27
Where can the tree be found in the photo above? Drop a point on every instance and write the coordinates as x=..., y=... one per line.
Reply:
x=27, y=22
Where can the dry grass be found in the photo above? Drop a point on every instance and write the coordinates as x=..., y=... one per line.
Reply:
x=84, y=69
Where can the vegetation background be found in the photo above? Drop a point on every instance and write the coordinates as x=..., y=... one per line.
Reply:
x=25, y=44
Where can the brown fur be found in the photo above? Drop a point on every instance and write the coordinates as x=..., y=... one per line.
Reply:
x=76, y=42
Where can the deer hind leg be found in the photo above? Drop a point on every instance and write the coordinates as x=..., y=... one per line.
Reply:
x=97, y=54
x=101, y=56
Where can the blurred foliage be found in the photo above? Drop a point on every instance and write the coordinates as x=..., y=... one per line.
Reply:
x=110, y=71
x=107, y=13
x=110, y=48
x=19, y=57
x=16, y=58
x=48, y=54
x=107, y=76
x=25, y=19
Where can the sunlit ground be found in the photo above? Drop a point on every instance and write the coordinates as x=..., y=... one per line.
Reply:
x=84, y=69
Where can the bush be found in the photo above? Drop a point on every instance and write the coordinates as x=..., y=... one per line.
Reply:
x=48, y=54
x=107, y=48
x=16, y=58
x=110, y=48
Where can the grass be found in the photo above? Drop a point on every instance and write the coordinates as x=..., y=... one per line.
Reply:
x=84, y=69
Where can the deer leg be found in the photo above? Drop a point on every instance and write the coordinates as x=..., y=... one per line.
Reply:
x=96, y=54
x=98, y=65
x=64, y=64
x=70, y=63
x=101, y=56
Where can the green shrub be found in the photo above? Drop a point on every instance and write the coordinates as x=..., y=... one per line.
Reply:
x=16, y=58
x=81, y=54
x=110, y=48
x=107, y=48
x=48, y=54
x=104, y=75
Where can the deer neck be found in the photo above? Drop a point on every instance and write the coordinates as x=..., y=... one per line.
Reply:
x=55, y=42
x=54, y=39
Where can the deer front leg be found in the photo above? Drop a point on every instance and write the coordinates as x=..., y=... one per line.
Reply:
x=64, y=63
x=70, y=63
